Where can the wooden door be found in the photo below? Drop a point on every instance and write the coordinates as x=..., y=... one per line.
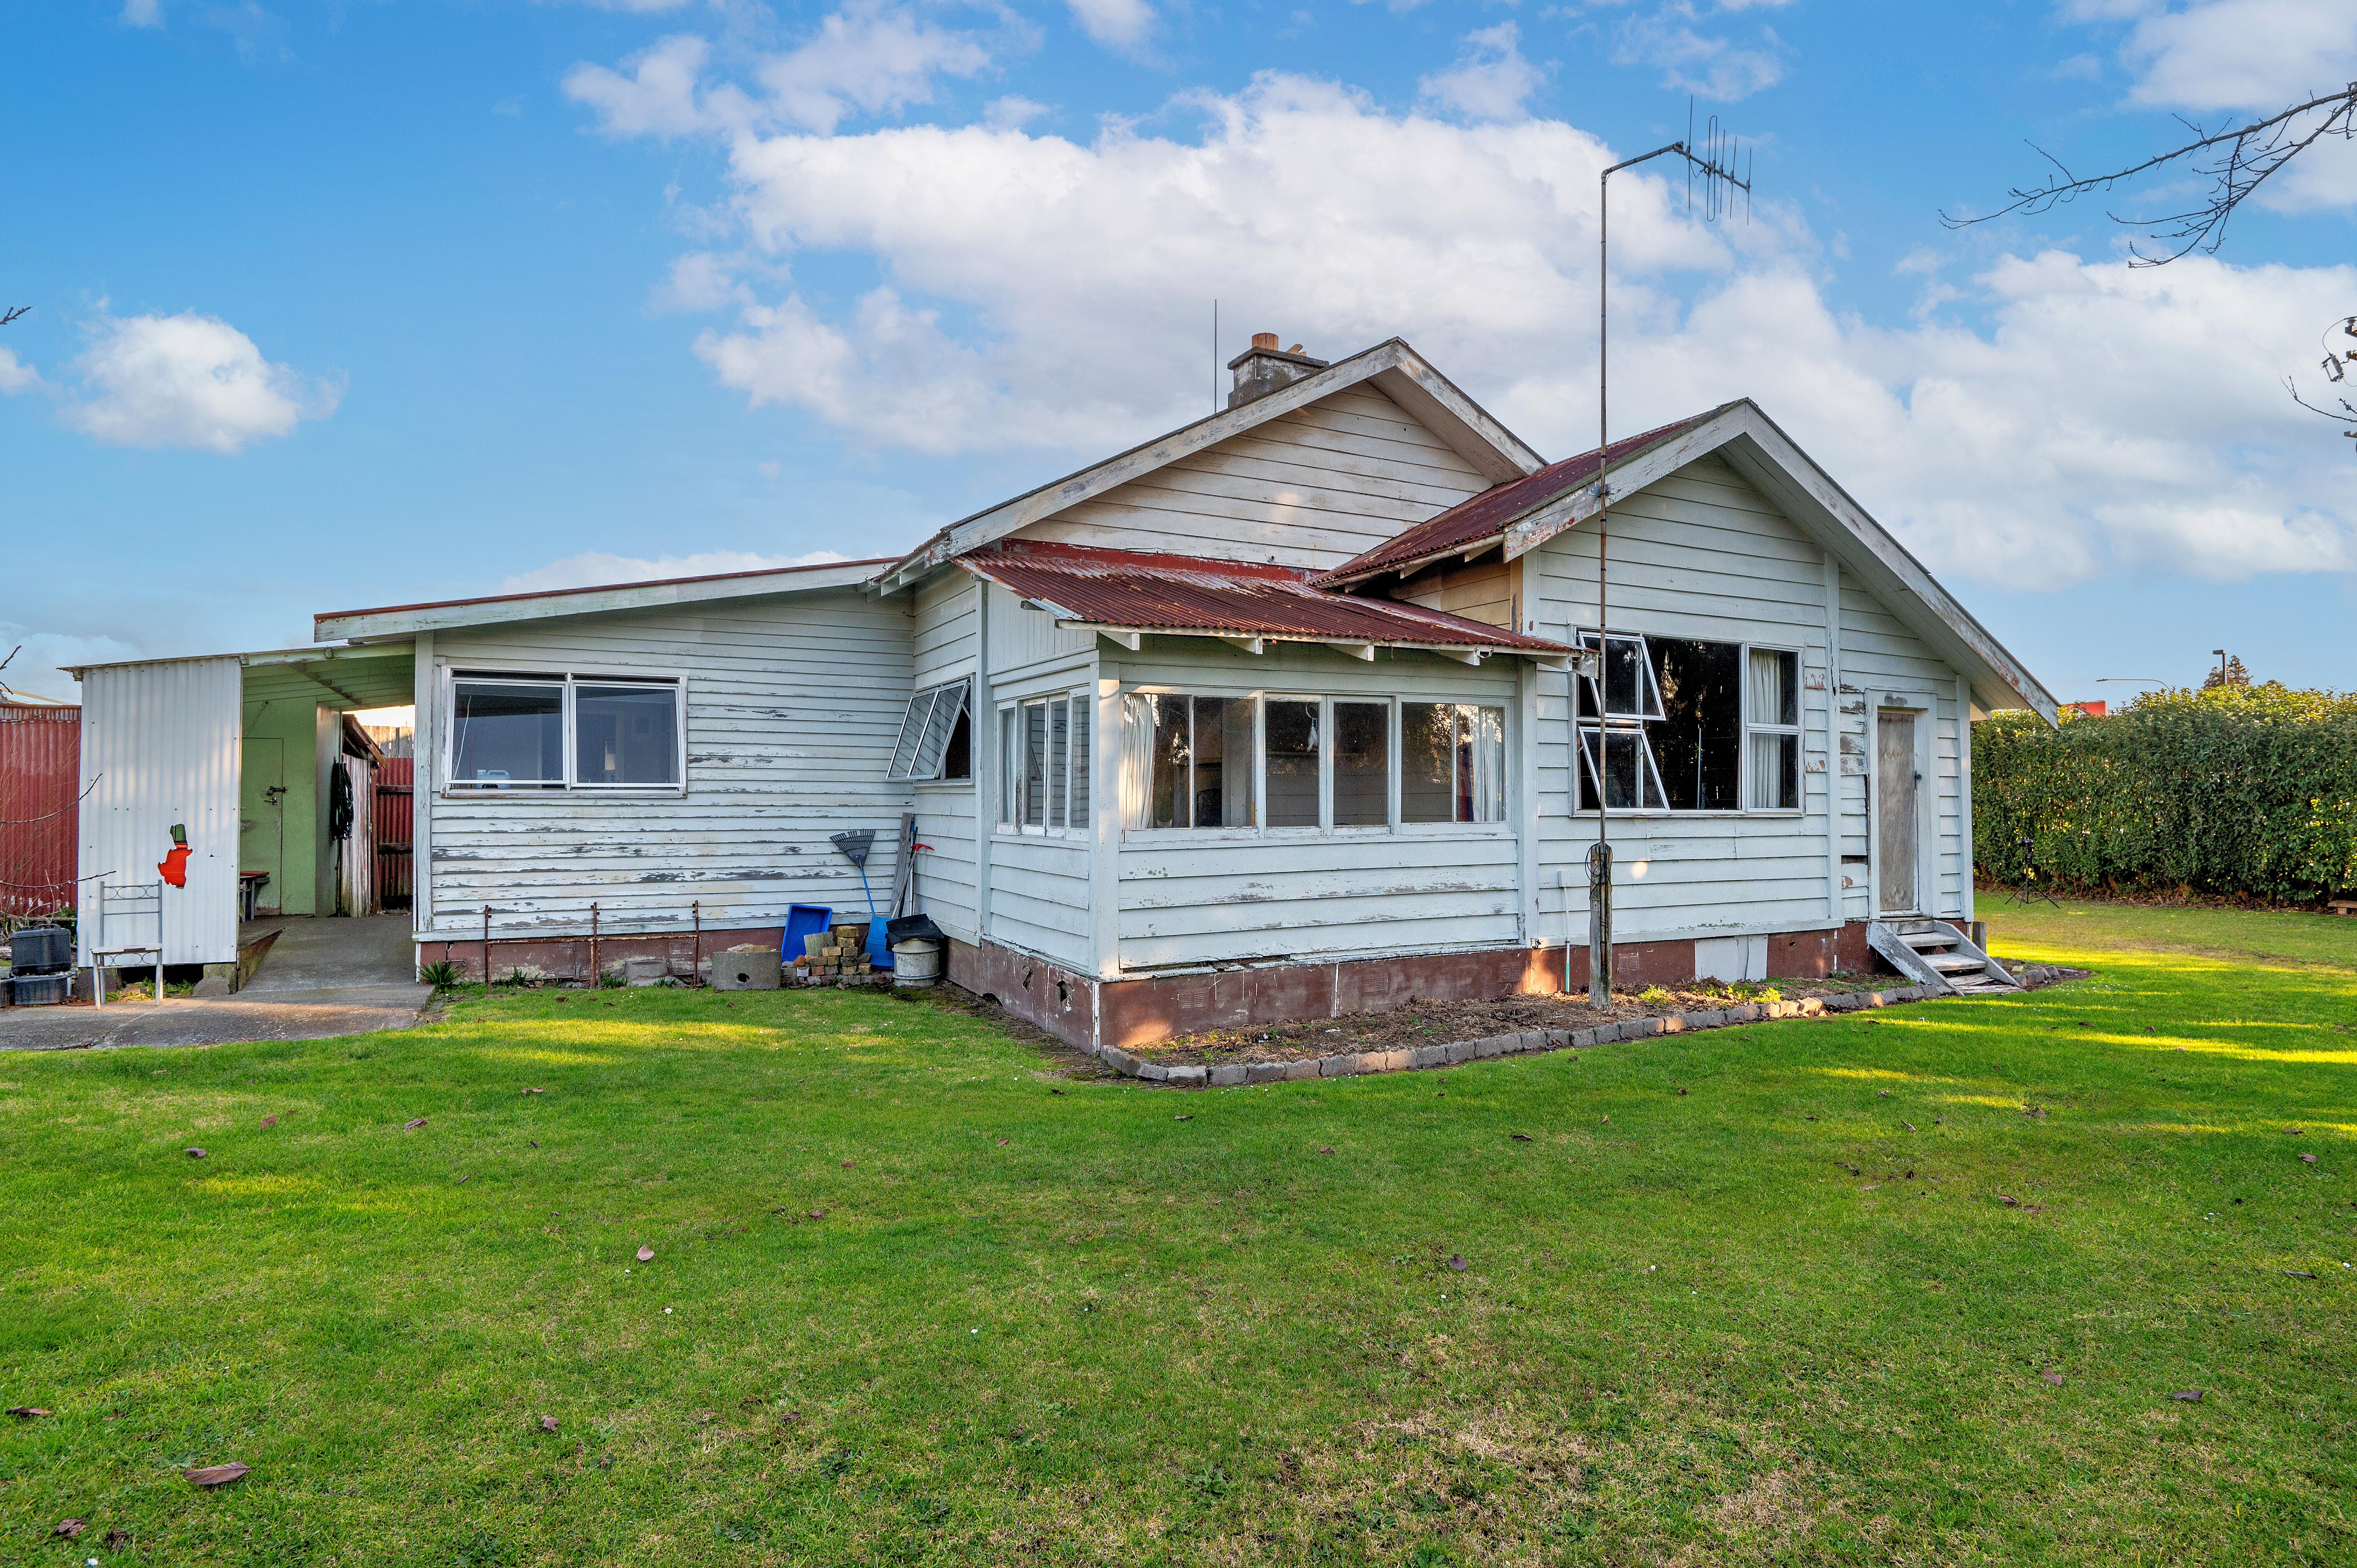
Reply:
x=1898, y=784
x=261, y=817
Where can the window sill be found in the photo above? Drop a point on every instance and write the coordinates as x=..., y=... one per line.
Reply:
x=573, y=792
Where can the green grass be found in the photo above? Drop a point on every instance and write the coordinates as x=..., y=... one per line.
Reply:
x=2269, y=936
x=1126, y=1326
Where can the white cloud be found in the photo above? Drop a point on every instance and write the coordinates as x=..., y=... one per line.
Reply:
x=1036, y=291
x=1491, y=80
x=595, y=569
x=187, y=380
x=1708, y=65
x=1014, y=110
x=143, y=13
x=871, y=57
x=699, y=282
x=35, y=669
x=1116, y=24
x=15, y=376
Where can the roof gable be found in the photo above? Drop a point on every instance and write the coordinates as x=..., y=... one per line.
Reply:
x=1391, y=366
x=1523, y=516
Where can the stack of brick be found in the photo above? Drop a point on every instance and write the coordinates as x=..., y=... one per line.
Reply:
x=827, y=961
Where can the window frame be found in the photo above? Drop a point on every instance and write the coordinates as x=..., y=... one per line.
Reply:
x=1326, y=829
x=1798, y=729
x=964, y=684
x=1010, y=728
x=1583, y=638
x=447, y=786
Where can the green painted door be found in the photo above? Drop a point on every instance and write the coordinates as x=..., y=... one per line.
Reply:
x=261, y=813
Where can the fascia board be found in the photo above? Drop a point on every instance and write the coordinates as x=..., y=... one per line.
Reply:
x=1650, y=467
x=373, y=626
x=1422, y=392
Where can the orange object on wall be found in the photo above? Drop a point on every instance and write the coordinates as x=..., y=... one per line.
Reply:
x=175, y=866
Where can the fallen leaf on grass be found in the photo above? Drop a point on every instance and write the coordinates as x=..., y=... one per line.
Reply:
x=2052, y=1376
x=2292, y=1132
x=2008, y=1202
x=1526, y=1138
x=68, y=1528
x=1871, y=1186
x=27, y=1412
x=196, y=1154
x=270, y=1121
x=1051, y=1091
x=1190, y=1117
x=1002, y=1143
x=1680, y=1092
x=116, y=1540
x=2299, y=1273
x=412, y=1126
x=1883, y=1094
x=2307, y=1159
x=462, y=1181
x=1457, y=1262
x=1909, y=1126
x=1849, y=1167
x=2191, y=1396
x=535, y=1143
x=1324, y=1151
x=847, y=1164
x=535, y=1092
x=548, y=1424
x=211, y=1475
x=646, y=1254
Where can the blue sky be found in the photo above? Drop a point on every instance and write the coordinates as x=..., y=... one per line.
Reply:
x=337, y=304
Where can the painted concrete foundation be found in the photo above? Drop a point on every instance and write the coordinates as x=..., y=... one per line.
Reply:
x=1081, y=1011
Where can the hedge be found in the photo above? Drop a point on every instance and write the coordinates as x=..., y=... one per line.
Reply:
x=2245, y=790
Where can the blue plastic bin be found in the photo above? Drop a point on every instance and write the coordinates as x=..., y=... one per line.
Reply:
x=802, y=920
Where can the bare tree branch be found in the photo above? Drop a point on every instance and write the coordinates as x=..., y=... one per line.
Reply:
x=12, y=312
x=2236, y=162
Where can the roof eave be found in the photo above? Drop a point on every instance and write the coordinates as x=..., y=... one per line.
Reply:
x=407, y=620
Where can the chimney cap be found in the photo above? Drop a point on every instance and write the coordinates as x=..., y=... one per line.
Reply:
x=1265, y=340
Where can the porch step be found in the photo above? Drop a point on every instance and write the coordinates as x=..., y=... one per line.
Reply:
x=1937, y=954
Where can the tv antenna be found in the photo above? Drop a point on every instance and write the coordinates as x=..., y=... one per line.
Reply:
x=1713, y=160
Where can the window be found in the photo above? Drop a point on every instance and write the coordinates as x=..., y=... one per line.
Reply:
x=935, y=736
x=1187, y=761
x=1044, y=777
x=1362, y=765
x=1452, y=763
x=1675, y=725
x=1318, y=763
x=1773, y=698
x=1699, y=741
x=509, y=732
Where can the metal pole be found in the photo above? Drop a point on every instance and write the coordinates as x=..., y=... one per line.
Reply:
x=695, y=963
x=487, y=950
x=596, y=976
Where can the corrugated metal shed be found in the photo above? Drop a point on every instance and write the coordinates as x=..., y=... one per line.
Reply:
x=1186, y=595
x=1485, y=516
x=159, y=745
x=40, y=769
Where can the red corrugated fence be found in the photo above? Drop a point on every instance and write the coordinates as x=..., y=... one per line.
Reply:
x=40, y=774
x=394, y=883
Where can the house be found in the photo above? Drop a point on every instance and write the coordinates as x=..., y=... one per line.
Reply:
x=1304, y=708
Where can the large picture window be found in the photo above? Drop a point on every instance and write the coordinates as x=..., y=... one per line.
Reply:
x=1315, y=763
x=563, y=732
x=1044, y=765
x=935, y=731
x=1680, y=724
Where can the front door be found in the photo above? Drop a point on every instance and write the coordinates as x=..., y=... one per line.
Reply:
x=261, y=817
x=1896, y=785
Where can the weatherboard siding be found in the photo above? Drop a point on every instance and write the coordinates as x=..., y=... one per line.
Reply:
x=793, y=705
x=1703, y=555
x=1309, y=489
x=944, y=621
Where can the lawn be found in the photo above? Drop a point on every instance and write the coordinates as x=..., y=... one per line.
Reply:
x=916, y=1299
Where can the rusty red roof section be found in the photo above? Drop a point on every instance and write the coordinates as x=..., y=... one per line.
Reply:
x=1487, y=515
x=1192, y=595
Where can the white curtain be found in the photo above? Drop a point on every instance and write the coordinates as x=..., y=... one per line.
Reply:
x=1766, y=697
x=1488, y=743
x=1136, y=760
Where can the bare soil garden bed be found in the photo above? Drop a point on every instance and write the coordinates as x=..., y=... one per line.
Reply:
x=1422, y=1022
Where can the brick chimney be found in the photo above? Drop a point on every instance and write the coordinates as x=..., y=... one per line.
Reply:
x=1262, y=368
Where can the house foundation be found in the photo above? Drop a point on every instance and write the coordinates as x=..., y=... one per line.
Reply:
x=1089, y=1013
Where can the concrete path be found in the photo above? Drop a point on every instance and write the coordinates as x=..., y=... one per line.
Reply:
x=321, y=979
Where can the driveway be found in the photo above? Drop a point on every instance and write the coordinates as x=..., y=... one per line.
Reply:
x=321, y=979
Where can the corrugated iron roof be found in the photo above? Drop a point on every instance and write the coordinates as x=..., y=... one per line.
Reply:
x=1487, y=515
x=1190, y=595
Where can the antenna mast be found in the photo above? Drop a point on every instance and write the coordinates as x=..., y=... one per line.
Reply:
x=1714, y=162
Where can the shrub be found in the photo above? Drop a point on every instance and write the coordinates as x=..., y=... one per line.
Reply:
x=2236, y=790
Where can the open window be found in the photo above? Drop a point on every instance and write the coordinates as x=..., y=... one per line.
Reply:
x=1620, y=683
x=935, y=736
x=1618, y=765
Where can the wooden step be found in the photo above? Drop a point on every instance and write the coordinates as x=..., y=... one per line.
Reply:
x=1923, y=942
x=1954, y=963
